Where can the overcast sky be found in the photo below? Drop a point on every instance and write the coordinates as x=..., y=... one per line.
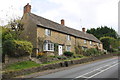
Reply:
x=76, y=13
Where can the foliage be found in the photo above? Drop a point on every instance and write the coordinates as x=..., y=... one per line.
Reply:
x=40, y=43
x=22, y=65
x=78, y=55
x=7, y=34
x=56, y=48
x=68, y=54
x=103, y=31
x=17, y=48
x=62, y=57
x=17, y=26
x=93, y=52
x=78, y=49
x=109, y=43
x=40, y=54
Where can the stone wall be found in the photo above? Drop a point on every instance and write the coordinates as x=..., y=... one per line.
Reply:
x=11, y=60
x=53, y=66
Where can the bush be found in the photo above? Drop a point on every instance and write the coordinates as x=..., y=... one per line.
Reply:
x=17, y=48
x=68, y=54
x=61, y=57
x=40, y=54
x=91, y=52
x=78, y=56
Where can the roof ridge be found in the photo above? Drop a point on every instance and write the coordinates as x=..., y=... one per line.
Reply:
x=57, y=23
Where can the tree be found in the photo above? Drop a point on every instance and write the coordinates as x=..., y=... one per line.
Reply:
x=17, y=48
x=109, y=43
x=102, y=32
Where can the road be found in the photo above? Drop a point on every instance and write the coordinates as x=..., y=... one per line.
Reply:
x=106, y=69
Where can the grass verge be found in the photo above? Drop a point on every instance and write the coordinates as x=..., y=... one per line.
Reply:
x=21, y=65
x=31, y=64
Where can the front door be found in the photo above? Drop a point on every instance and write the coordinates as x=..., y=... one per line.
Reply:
x=60, y=52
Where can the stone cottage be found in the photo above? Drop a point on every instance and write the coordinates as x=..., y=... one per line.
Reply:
x=53, y=38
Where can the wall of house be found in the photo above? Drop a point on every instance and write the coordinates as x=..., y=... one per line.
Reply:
x=30, y=31
x=60, y=38
x=57, y=37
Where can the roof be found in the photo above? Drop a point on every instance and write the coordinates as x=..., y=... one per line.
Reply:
x=43, y=22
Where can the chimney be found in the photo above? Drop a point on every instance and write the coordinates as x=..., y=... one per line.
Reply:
x=27, y=8
x=62, y=22
x=83, y=29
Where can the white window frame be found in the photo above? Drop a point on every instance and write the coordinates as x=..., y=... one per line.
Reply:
x=68, y=48
x=47, y=32
x=91, y=43
x=48, y=46
x=85, y=41
x=68, y=37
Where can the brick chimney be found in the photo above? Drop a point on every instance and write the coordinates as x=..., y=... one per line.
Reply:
x=62, y=22
x=83, y=30
x=27, y=8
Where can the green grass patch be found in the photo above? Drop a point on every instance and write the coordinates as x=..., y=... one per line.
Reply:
x=30, y=64
x=22, y=65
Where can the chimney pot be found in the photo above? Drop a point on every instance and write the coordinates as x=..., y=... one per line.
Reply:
x=83, y=29
x=62, y=22
x=27, y=8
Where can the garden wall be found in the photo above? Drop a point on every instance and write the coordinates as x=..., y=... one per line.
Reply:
x=54, y=66
x=11, y=60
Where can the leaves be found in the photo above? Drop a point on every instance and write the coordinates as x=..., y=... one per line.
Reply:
x=103, y=31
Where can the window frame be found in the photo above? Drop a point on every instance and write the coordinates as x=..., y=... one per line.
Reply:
x=48, y=46
x=47, y=32
x=68, y=48
x=68, y=37
x=85, y=41
x=91, y=43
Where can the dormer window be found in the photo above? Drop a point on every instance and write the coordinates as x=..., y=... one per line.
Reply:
x=68, y=37
x=47, y=32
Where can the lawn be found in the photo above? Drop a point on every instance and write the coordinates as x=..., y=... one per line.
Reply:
x=21, y=65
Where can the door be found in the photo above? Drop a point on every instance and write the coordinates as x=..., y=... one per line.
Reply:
x=60, y=52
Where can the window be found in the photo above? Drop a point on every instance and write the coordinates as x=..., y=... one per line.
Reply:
x=91, y=43
x=48, y=46
x=85, y=41
x=47, y=32
x=68, y=48
x=68, y=37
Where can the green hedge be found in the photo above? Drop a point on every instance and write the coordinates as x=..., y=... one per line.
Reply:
x=68, y=54
x=17, y=48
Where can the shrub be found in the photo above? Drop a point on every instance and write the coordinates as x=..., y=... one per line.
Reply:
x=40, y=54
x=91, y=52
x=78, y=56
x=68, y=54
x=17, y=48
x=61, y=57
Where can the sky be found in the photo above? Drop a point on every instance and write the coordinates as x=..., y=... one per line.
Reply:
x=76, y=13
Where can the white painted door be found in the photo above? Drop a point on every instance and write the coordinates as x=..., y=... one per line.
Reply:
x=60, y=52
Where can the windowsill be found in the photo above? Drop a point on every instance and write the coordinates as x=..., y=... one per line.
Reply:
x=49, y=50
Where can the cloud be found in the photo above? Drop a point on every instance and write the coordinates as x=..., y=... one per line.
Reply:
x=77, y=13
x=11, y=9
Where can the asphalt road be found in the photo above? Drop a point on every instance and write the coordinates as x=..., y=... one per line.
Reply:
x=107, y=69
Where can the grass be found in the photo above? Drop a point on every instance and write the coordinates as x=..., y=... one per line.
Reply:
x=30, y=64
x=21, y=65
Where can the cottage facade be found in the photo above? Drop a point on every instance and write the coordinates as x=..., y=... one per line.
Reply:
x=54, y=38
